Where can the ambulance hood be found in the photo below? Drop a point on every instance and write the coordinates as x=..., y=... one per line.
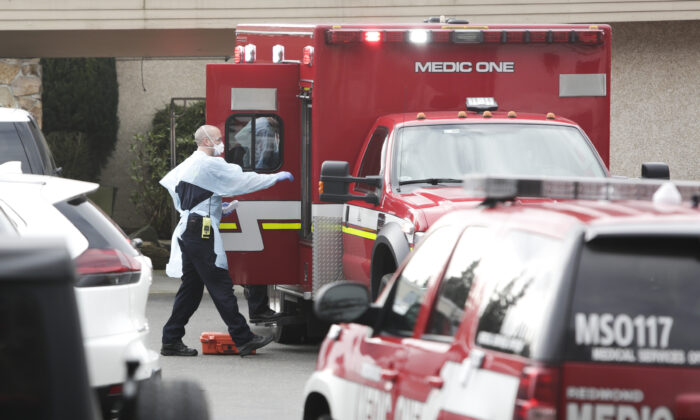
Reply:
x=433, y=202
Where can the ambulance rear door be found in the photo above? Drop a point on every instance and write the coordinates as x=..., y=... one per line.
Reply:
x=257, y=110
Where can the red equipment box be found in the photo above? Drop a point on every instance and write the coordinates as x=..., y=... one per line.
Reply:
x=218, y=343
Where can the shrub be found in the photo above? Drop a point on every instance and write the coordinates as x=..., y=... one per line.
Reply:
x=151, y=161
x=80, y=97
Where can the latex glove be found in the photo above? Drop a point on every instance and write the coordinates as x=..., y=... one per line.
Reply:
x=228, y=208
x=284, y=176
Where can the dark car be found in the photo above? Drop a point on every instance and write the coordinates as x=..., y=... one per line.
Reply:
x=21, y=140
x=575, y=300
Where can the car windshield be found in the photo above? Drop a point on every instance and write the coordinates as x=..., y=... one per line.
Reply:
x=445, y=153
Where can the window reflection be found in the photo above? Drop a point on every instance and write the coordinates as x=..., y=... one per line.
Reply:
x=448, y=310
x=518, y=291
x=412, y=284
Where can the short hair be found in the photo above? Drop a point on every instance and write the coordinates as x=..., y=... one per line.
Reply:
x=204, y=132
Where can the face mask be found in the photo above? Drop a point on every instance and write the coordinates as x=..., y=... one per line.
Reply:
x=218, y=147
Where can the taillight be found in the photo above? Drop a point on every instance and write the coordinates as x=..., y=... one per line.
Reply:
x=537, y=394
x=106, y=267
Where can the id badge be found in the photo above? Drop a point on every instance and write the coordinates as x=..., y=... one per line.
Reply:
x=206, y=227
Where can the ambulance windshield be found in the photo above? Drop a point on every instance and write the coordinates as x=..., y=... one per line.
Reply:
x=444, y=153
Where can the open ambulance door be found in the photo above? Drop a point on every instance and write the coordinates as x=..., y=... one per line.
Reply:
x=257, y=110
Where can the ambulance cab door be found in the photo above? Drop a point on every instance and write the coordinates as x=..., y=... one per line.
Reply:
x=257, y=110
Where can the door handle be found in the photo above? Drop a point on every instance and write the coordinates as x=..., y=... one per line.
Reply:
x=435, y=381
x=390, y=374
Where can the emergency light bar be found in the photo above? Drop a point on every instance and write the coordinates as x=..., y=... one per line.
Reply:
x=507, y=188
x=591, y=36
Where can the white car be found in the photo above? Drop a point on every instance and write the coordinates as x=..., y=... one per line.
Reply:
x=113, y=278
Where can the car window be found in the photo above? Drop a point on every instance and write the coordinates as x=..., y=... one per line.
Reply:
x=518, y=278
x=448, y=309
x=412, y=285
x=648, y=313
x=43, y=146
x=100, y=231
x=11, y=147
x=373, y=158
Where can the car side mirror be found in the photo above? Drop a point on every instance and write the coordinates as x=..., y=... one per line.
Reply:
x=655, y=170
x=342, y=301
x=335, y=178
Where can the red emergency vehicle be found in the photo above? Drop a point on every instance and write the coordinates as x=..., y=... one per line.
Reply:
x=387, y=105
x=577, y=302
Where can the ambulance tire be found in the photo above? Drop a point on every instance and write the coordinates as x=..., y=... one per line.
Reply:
x=289, y=334
x=171, y=400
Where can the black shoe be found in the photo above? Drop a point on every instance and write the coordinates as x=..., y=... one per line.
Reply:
x=266, y=316
x=255, y=343
x=177, y=349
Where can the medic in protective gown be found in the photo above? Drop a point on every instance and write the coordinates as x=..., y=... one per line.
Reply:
x=197, y=254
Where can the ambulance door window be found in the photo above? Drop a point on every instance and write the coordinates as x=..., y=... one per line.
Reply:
x=254, y=142
x=448, y=309
x=410, y=288
x=373, y=160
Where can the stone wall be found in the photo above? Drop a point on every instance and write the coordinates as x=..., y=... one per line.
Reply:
x=20, y=85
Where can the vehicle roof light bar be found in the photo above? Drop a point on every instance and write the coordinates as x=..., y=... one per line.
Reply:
x=481, y=104
x=507, y=188
x=480, y=35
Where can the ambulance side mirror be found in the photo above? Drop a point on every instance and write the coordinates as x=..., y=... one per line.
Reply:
x=655, y=170
x=335, y=176
x=341, y=301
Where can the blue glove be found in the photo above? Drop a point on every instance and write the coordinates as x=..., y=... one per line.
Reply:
x=284, y=176
x=228, y=208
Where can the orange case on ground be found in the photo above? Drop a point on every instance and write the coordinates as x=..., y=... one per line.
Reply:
x=218, y=343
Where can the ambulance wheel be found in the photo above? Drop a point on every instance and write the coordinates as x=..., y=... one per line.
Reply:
x=289, y=334
x=171, y=400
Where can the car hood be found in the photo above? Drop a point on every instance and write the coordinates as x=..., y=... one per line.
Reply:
x=433, y=202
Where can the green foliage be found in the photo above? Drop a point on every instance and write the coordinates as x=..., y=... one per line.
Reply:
x=68, y=149
x=151, y=161
x=81, y=95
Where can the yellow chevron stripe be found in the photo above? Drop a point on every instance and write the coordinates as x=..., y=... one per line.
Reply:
x=360, y=233
x=281, y=226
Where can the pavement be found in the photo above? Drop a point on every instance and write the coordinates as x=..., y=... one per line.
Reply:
x=162, y=284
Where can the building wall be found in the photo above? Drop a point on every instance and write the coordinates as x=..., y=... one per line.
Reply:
x=656, y=97
x=655, y=94
x=164, y=14
x=20, y=85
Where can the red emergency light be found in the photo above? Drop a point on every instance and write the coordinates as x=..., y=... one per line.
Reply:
x=238, y=54
x=307, y=57
x=372, y=36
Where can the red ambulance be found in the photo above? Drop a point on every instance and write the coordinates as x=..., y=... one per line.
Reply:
x=578, y=302
x=398, y=113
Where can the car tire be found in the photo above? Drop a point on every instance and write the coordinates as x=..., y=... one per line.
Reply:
x=171, y=400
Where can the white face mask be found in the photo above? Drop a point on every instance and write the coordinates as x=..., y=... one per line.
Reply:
x=218, y=147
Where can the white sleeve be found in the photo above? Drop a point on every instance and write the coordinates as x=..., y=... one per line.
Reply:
x=228, y=179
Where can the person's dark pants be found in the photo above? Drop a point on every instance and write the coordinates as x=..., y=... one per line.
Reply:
x=198, y=270
x=257, y=299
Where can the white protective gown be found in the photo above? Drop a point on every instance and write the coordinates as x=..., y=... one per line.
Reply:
x=224, y=180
